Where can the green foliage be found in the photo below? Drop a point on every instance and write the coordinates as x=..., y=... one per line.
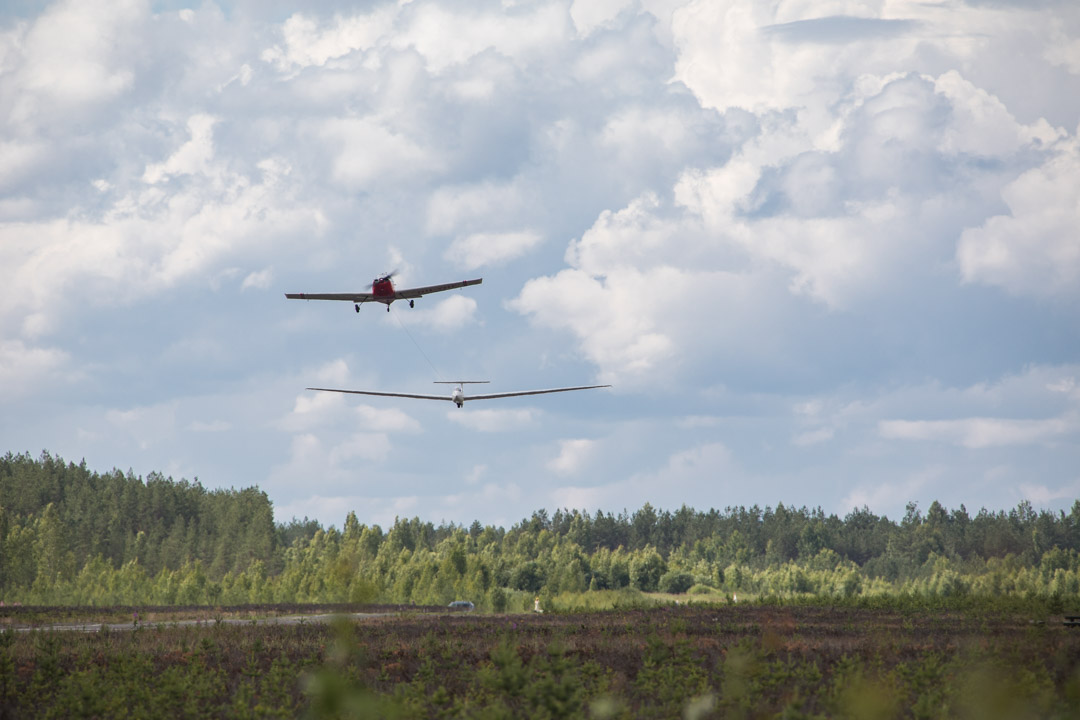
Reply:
x=57, y=518
x=646, y=569
x=676, y=582
x=72, y=536
x=528, y=576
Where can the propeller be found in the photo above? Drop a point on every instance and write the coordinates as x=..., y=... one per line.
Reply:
x=387, y=276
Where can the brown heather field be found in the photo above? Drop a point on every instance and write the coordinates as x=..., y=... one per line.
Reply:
x=721, y=661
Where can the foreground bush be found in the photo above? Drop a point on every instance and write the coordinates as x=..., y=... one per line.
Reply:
x=773, y=660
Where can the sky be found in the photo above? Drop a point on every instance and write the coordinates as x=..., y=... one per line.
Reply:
x=826, y=253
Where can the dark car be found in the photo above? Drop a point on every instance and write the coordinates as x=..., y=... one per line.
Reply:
x=462, y=605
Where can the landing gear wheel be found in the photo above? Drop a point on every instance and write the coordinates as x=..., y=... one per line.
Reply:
x=357, y=306
x=412, y=303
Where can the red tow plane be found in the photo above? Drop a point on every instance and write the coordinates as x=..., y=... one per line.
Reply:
x=383, y=290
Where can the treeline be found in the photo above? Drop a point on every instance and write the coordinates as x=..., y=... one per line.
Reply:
x=56, y=517
x=72, y=536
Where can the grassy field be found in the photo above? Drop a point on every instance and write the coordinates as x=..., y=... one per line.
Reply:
x=694, y=661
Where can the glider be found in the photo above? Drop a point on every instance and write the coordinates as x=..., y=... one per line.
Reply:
x=458, y=396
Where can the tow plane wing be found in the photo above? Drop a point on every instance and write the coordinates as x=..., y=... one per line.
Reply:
x=383, y=290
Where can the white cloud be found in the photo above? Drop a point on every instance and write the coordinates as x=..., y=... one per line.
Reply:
x=445, y=38
x=642, y=321
x=1064, y=50
x=631, y=237
x=893, y=493
x=144, y=243
x=1042, y=496
x=480, y=249
x=386, y=420
x=1034, y=249
x=329, y=461
x=73, y=58
x=686, y=472
x=891, y=147
x=364, y=153
x=449, y=314
x=491, y=421
x=590, y=15
x=476, y=474
x=192, y=157
x=981, y=124
x=614, y=318
x=314, y=409
x=334, y=509
x=17, y=158
x=25, y=369
x=259, y=279
x=452, y=208
x=307, y=44
x=981, y=432
x=814, y=437
x=360, y=446
x=145, y=426
x=573, y=455
x=768, y=203
x=333, y=372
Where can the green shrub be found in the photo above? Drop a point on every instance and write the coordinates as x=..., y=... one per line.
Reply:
x=676, y=582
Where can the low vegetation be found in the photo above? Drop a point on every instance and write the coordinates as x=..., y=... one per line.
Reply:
x=698, y=661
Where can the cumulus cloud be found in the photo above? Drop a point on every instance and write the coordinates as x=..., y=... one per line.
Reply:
x=360, y=446
x=306, y=43
x=451, y=208
x=480, y=249
x=981, y=432
x=330, y=463
x=192, y=157
x=443, y=36
x=491, y=421
x=365, y=153
x=1034, y=249
x=24, y=369
x=611, y=316
x=1041, y=495
x=149, y=239
x=573, y=455
x=1038, y=406
x=449, y=314
x=334, y=509
x=146, y=425
x=729, y=208
x=814, y=437
x=685, y=471
x=895, y=492
x=590, y=15
x=387, y=420
x=73, y=57
x=260, y=279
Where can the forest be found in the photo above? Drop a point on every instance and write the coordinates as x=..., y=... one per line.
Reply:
x=70, y=535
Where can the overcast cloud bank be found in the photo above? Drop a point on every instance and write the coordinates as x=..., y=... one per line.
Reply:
x=826, y=252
